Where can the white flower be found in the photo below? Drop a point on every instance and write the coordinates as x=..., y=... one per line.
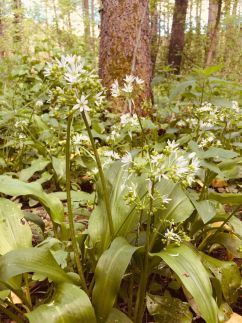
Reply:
x=128, y=88
x=235, y=106
x=39, y=103
x=99, y=98
x=205, y=125
x=195, y=164
x=181, y=123
x=82, y=104
x=182, y=166
x=48, y=69
x=170, y=235
x=129, y=78
x=139, y=81
x=74, y=67
x=165, y=199
x=127, y=159
x=206, y=107
x=172, y=145
x=77, y=139
x=129, y=120
x=192, y=121
x=71, y=78
x=112, y=154
x=115, y=89
x=157, y=159
x=203, y=143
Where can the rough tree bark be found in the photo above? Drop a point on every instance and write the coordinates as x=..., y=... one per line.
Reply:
x=214, y=15
x=155, y=34
x=1, y=30
x=177, y=41
x=86, y=19
x=125, y=42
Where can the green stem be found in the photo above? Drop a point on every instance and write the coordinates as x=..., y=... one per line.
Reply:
x=101, y=174
x=140, y=303
x=69, y=206
x=27, y=290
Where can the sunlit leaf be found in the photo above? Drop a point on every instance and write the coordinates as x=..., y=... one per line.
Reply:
x=37, y=260
x=108, y=276
x=70, y=304
x=228, y=275
x=36, y=166
x=15, y=187
x=186, y=263
x=226, y=198
x=15, y=232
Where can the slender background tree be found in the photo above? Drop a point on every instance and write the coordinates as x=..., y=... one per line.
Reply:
x=177, y=41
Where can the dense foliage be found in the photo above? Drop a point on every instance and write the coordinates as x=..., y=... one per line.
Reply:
x=107, y=216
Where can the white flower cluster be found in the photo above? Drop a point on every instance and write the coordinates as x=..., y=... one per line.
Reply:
x=75, y=86
x=129, y=123
x=208, y=119
x=175, y=164
x=72, y=65
x=127, y=87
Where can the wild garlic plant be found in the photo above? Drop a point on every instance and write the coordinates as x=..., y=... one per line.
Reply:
x=213, y=125
x=169, y=163
x=75, y=90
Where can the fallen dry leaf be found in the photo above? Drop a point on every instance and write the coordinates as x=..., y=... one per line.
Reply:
x=235, y=318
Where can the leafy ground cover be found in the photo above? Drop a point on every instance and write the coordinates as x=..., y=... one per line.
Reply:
x=107, y=217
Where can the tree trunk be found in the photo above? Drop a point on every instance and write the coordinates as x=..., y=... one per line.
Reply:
x=1, y=31
x=177, y=41
x=214, y=15
x=125, y=42
x=17, y=7
x=235, y=7
x=86, y=20
x=155, y=36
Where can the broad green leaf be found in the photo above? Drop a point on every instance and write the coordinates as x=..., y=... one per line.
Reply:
x=32, y=217
x=236, y=225
x=228, y=275
x=59, y=165
x=15, y=232
x=168, y=309
x=226, y=198
x=186, y=263
x=15, y=187
x=181, y=88
x=179, y=208
x=232, y=169
x=4, y=294
x=124, y=220
x=36, y=166
x=219, y=153
x=229, y=241
x=125, y=217
x=212, y=167
x=118, y=317
x=70, y=304
x=108, y=276
x=37, y=260
x=206, y=210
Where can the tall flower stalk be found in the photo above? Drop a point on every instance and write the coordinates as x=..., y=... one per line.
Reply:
x=69, y=206
x=101, y=174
